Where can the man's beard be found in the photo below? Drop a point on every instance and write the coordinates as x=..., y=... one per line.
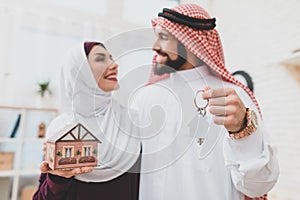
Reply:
x=172, y=65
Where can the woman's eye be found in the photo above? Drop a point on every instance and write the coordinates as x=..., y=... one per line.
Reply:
x=100, y=59
x=112, y=59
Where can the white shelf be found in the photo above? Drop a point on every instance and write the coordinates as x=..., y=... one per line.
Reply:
x=27, y=147
x=28, y=172
x=8, y=173
x=11, y=140
x=15, y=140
x=28, y=108
x=24, y=172
x=34, y=140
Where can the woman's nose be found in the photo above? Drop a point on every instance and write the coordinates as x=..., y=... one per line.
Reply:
x=113, y=66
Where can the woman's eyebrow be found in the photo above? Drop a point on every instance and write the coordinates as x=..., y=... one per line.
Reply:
x=100, y=54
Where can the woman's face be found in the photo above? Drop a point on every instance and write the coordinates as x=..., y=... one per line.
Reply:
x=104, y=68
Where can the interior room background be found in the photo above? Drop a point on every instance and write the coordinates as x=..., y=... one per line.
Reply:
x=260, y=37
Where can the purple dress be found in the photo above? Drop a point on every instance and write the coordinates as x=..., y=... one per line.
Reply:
x=124, y=187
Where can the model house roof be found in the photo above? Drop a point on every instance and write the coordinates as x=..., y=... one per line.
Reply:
x=73, y=132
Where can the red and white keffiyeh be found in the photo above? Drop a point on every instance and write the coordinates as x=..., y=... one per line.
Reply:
x=206, y=45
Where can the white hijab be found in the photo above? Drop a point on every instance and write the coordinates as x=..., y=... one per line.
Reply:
x=114, y=125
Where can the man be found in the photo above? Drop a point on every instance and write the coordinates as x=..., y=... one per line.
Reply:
x=210, y=148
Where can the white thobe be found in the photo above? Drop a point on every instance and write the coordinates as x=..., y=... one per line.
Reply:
x=176, y=167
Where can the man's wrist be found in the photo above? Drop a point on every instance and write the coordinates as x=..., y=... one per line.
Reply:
x=251, y=126
x=244, y=125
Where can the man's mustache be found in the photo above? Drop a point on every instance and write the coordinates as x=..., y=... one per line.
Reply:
x=162, y=53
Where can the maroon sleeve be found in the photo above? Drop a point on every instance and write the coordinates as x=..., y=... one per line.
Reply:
x=53, y=187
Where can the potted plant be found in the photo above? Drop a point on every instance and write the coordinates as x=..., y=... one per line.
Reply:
x=78, y=153
x=43, y=88
x=59, y=154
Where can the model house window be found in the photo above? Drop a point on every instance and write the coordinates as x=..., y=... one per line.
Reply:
x=68, y=151
x=51, y=153
x=87, y=150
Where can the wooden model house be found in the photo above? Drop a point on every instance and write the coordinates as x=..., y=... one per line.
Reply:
x=75, y=146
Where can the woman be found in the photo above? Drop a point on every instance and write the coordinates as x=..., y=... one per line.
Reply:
x=88, y=77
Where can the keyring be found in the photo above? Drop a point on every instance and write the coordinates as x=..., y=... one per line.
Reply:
x=200, y=110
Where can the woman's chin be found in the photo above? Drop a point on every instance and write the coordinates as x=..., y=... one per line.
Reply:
x=110, y=87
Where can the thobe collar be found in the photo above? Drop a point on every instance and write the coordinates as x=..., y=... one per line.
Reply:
x=195, y=79
x=193, y=74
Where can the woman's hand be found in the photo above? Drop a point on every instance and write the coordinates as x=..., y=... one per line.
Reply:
x=44, y=167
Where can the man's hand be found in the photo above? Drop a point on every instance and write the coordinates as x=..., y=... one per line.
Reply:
x=44, y=167
x=227, y=108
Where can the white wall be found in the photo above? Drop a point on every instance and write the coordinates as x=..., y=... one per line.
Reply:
x=255, y=32
x=257, y=36
x=279, y=95
x=36, y=35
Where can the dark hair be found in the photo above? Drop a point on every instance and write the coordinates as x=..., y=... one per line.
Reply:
x=89, y=45
x=247, y=77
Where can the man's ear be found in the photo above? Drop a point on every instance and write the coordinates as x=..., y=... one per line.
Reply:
x=181, y=50
x=194, y=59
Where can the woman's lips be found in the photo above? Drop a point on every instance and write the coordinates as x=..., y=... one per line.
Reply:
x=111, y=77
